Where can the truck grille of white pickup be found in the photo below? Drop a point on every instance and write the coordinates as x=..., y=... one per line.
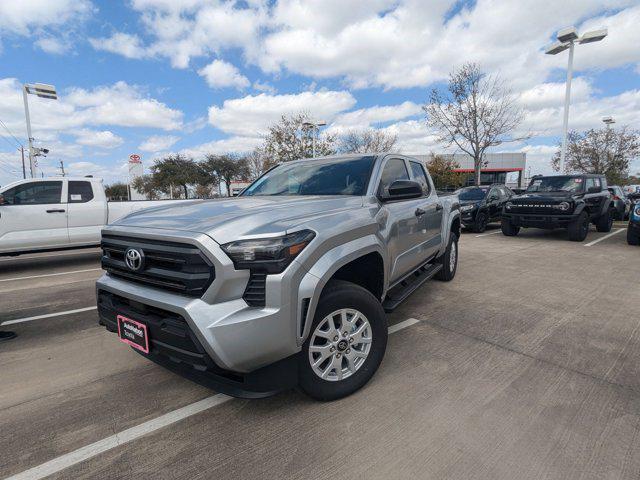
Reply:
x=179, y=267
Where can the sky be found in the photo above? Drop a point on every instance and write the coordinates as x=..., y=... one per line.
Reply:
x=154, y=77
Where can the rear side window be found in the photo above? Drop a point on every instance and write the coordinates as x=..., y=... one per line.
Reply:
x=394, y=169
x=80, y=192
x=35, y=193
x=419, y=175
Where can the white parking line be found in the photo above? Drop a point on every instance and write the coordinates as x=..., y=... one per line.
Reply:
x=487, y=234
x=84, y=453
x=49, y=275
x=47, y=315
x=604, y=238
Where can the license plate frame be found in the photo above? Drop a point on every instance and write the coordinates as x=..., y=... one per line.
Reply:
x=135, y=335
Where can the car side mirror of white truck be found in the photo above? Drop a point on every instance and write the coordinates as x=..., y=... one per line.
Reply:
x=2, y=202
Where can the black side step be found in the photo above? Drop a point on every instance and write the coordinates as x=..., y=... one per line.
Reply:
x=400, y=291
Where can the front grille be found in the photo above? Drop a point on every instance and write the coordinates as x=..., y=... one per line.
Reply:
x=179, y=267
x=255, y=293
x=537, y=208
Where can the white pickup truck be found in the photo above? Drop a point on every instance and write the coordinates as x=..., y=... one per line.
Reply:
x=58, y=213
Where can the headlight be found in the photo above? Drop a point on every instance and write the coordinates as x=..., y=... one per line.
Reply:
x=508, y=205
x=271, y=255
x=467, y=208
x=564, y=206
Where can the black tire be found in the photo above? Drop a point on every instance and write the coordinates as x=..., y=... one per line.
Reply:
x=508, y=229
x=449, y=262
x=480, y=224
x=337, y=295
x=579, y=228
x=632, y=237
x=605, y=222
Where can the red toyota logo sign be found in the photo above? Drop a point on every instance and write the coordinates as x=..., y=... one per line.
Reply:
x=134, y=158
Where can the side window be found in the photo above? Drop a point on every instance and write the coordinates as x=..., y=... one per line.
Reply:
x=35, y=193
x=596, y=182
x=394, y=169
x=504, y=192
x=590, y=182
x=417, y=170
x=80, y=192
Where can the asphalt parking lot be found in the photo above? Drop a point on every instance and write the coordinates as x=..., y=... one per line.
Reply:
x=527, y=365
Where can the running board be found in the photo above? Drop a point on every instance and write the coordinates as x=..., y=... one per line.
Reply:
x=400, y=292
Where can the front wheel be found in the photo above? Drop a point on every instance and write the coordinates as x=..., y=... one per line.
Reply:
x=605, y=222
x=579, y=228
x=346, y=343
x=480, y=224
x=508, y=229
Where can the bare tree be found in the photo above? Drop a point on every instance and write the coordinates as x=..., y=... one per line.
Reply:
x=476, y=113
x=366, y=141
x=289, y=140
x=607, y=151
x=258, y=163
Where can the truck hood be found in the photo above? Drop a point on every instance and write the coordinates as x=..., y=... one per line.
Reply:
x=230, y=219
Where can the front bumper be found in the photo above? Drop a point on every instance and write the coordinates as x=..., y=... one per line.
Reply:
x=537, y=220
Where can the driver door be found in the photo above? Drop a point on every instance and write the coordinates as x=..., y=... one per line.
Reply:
x=33, y=217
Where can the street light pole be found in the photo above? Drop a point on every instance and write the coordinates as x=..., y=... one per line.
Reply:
x=315, y=130
x=567, y=38
x=567, y=101
x=41, y=90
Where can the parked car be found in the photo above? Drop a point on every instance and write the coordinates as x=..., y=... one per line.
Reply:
x=482, y=205
x=561, y=201
x=58, y=213
x=633, y=230
x=286, y=284
x=621, y=203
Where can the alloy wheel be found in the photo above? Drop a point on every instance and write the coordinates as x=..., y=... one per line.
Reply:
x=340, y=344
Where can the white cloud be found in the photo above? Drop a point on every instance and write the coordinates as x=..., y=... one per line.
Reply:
x=267, y=88
x=129, y=46
x=250, y=116
x=94, y=138
x=53, y=45
x=157, y=143
x=366, y=117
x=236, y=144
x=220, y=74
x=20, y=17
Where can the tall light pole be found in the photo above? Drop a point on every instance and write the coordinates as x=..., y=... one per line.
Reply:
x=315, y=129
x=608, y=121
x=43, y=91
x=567, y=38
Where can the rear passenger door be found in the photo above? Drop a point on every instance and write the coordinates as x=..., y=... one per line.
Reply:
x=86, y=213
x=595, y=201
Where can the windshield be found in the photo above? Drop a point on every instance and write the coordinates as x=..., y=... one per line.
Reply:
x=341, y=176
x=556, y=184
x=472, y=193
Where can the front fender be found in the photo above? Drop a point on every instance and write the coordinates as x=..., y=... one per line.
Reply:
x=322, y=270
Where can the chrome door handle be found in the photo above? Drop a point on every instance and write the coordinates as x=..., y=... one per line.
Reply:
x=439, y=207
x=419, y=212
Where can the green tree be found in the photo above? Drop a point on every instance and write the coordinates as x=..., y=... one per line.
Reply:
x=176, y=169
x=227, y=168
x=147, y=185
x=117, y=191
x=290, y=139
x=606, y=151
x=442, y=171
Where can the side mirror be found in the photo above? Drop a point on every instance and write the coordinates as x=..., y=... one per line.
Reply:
x=493, y=198
x=402, y=190
x=1, y=199
x=594, y=190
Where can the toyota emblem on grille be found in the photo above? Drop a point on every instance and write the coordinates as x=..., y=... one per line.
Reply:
x=134, y=259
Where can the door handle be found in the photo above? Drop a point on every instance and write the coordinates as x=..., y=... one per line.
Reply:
x=419, y=212
x=59, y=210
x=439, y=207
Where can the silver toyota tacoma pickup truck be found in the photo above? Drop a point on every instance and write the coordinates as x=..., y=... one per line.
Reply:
x=286, y=285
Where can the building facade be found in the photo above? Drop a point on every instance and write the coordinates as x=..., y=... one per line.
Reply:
x=503, y=168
